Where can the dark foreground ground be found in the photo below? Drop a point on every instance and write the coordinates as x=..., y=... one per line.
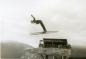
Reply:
x=78, y=58
x=23, y=58
x=11, y=58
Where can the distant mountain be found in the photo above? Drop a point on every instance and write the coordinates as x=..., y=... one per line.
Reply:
x=16, y=49
x=78, y=51
x=13, y=49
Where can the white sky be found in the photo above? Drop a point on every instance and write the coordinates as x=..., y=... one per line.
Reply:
x=68, y=17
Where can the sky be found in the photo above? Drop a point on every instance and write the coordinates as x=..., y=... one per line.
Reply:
x=67, y=17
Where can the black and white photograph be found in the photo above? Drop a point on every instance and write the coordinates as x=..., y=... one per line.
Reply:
x=42, y=29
